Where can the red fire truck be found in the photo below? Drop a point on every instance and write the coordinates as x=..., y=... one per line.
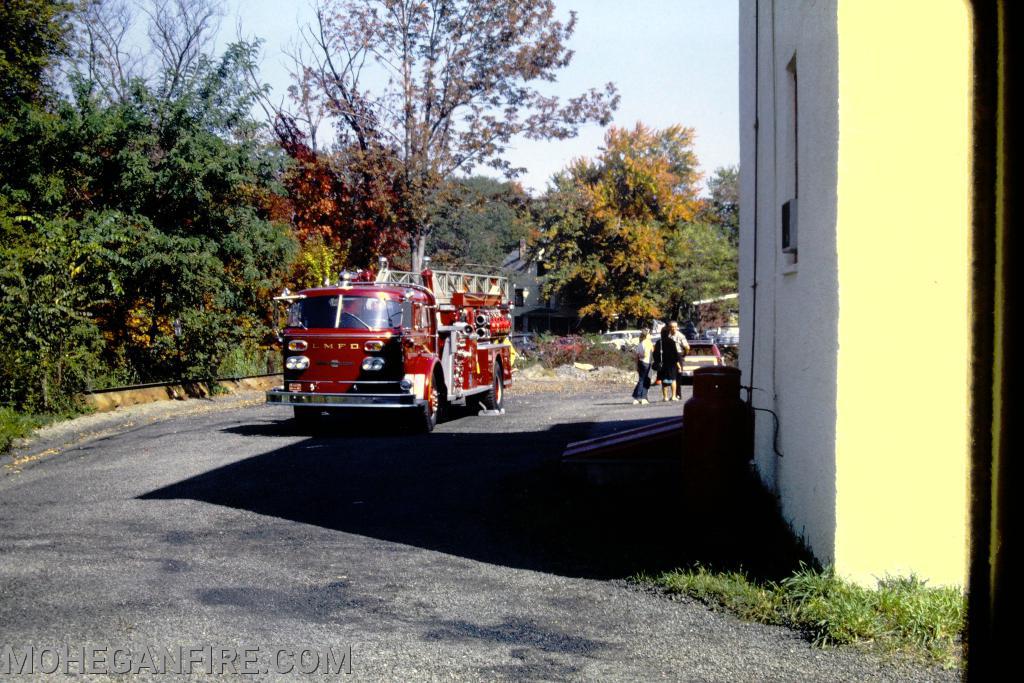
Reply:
x=397, y=340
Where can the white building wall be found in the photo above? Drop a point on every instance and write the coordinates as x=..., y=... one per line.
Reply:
x=865, y=119
x=789, y=345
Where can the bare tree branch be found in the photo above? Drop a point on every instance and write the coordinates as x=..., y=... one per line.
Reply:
x=181, y=32
x=454, y=83
x=101, y=49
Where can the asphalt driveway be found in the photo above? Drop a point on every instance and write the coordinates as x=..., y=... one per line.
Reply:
x=466, y=554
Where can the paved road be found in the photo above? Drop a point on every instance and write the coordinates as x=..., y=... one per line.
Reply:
x=466, y=554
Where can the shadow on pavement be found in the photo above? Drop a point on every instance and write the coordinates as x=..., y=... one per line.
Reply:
x=501, y=498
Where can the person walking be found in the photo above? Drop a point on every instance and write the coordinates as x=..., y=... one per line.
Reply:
x=667, y=359
x=644, y=357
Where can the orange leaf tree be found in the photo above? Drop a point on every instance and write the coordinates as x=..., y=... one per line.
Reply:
x=608, y=221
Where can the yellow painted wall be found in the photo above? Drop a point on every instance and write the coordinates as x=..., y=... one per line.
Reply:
x=903, y=225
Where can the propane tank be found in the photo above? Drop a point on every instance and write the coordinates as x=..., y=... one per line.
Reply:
x=716, y=443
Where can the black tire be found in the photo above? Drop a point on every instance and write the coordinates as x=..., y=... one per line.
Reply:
x=306, y=416
x=494, y=397
x=435, y=409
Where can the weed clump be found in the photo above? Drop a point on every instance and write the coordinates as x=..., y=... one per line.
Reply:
x=900, y=615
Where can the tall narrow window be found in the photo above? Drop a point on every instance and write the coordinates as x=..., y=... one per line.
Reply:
x=790, y=167
x=794, y=124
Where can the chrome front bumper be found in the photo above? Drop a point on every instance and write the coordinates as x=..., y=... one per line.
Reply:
x=297, y=398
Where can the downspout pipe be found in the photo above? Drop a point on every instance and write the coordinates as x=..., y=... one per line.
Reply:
x=757, y=175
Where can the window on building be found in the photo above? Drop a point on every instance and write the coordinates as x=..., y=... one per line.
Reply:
x=520, y=297
x=789, y=176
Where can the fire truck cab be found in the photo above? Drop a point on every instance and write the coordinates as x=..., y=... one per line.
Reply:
x=415, y=342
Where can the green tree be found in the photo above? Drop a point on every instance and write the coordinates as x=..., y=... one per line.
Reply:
x=722, y=207
x=50, y=345
x=170, y=199
x=482, y=222
x=32, y=36
x=702, y=264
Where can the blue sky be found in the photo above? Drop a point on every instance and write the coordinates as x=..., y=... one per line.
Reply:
x=674, y=61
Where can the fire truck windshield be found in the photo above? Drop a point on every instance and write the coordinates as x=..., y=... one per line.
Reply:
x=345, y=312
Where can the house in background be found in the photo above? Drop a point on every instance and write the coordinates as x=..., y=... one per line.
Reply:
x=531, y=312
x=855, y=213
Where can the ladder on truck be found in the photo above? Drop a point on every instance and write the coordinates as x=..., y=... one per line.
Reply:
x=447, y=283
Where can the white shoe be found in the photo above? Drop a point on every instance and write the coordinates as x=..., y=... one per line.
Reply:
x=644, y=401
x=636, y=402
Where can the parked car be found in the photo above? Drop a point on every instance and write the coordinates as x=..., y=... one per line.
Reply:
x=621, y=338
x=728, y=335
x=525, y=343
x=701, y=354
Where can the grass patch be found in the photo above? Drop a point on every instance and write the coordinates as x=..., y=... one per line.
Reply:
x=17, y=425
x=900, y=616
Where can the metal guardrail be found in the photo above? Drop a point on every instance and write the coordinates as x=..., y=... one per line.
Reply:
x=173, y=382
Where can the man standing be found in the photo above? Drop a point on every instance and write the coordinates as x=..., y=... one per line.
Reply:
x=684, y=348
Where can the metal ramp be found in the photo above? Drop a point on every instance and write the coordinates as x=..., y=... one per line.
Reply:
x=650, y=442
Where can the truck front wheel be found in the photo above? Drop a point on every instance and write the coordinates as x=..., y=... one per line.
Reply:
x=305, y=416
x=434, y=410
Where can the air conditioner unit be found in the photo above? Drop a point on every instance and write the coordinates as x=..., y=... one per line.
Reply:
x=789, y=233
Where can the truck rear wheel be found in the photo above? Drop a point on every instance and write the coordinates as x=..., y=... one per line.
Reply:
x=494, y=397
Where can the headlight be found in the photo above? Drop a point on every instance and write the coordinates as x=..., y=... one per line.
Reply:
x=296, y=363
x=373, y=345
x=373, y=364
x=298, y=345
x=405, y=384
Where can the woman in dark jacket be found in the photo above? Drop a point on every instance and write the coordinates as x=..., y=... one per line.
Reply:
x=667, y=360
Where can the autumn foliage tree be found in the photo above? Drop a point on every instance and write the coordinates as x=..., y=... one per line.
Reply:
x=445, y=85
x=343, y=205
x=612, y=224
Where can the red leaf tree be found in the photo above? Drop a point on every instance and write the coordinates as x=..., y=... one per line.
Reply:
x=344, y=204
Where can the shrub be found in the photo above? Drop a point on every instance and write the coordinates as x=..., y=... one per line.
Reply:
x=14, y=425
x=586, y=350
